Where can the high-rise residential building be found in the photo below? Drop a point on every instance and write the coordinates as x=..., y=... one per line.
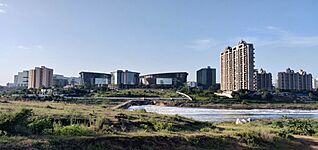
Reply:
x=291, y=80
x=15, y=80
x=40, y=77
x=94, y=79
x=237, y=67
x=263, y=80
x=206, y=77
x=315, y=84
x=22, y=79
x=124, y=79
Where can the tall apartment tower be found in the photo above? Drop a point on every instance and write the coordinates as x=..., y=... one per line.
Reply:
x=237, y=67
x=291, y=80
x=21, y=79
x=40, y=78
x=206, y=77
x=315, y=84
x=263, y=80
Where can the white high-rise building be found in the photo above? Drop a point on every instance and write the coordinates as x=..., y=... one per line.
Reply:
x=21, y=80
x=237, y=67
x=315, y=84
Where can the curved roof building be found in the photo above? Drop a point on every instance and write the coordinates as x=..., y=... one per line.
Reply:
x=164, y=80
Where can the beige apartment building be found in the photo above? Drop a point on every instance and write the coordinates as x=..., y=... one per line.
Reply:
x=262, y=80
x=291, y=80
x=237, y=67
x=40, y=77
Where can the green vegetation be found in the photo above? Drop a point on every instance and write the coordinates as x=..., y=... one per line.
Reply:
x=56, y=125
x=296, y=126
x=137, y=93
x=201, y=95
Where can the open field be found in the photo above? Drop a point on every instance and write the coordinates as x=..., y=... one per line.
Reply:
x=80, y=126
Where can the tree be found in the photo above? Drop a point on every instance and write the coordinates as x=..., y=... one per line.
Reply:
x=266, y=95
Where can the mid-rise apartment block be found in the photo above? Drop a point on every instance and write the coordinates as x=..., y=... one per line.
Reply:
x=206, y=77
x=21, y=79
x=291, y=80
x=237, y=67
x=263, y=80
x=40, y=77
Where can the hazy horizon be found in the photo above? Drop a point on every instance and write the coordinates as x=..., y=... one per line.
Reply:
x=154, y=36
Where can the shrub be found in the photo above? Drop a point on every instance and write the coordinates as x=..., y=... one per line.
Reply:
x=283, y=133
x=250, y=138
x=15, y=123
x=296, y=126
x=71, y=130
x=207, y=129
x=140, y=111
x=162, y=126
x=41, y=126
x=144, y=127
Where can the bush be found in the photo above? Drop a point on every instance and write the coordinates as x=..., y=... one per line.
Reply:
x=140, y=111
x=15, y=123
x=207, y=129
x=296, y=126
x=162, y=126
x=41, y=126
x=250, y=138
x=283, y=133
x=72, y=130
x=144, y=127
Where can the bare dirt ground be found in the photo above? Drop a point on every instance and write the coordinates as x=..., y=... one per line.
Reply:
x=312, y=142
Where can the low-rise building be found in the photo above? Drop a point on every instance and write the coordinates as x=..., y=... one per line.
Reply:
x=164, y=80
x=124, y=79
x=59, y=81
x=62, y=81
x=94, y=79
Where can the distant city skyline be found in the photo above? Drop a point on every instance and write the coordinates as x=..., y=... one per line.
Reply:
x=154, y=36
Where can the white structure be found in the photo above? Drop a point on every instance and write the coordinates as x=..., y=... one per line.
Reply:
x=192, y=84
x=315, y=84
x=21, y=80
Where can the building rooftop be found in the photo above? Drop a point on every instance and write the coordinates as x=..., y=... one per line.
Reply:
x=165, y=73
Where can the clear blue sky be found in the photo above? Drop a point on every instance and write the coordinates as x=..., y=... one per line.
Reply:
x=154, y=35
